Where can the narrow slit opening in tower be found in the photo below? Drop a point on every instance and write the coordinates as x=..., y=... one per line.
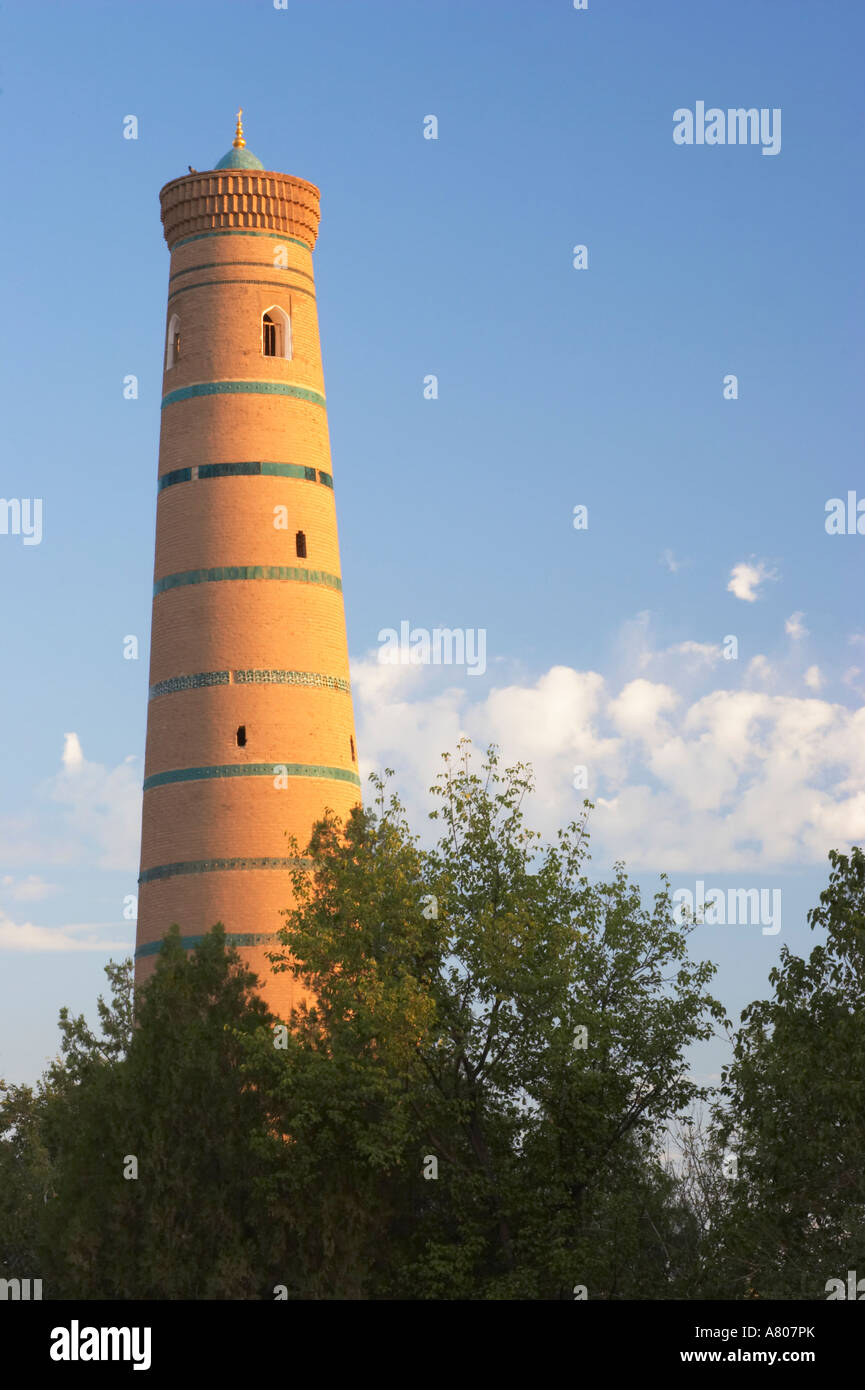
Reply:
x=241, y=736
x=300, y=545
x=172, y=342
x=353, y=754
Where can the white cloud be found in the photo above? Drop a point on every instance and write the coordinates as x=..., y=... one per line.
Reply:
x=735, y=779
x=759, y=670
x=638, y=709
x=73, y=758
x=29, y=889
x=100, y=807
x=795, y=627
x=669, y=559
x=697, y=654
x=813, y=678
x=637, y=652
x=85, y=936
x=746, y=578
x=86, y=814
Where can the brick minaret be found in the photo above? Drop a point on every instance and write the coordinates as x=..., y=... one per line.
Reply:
x=250, y=731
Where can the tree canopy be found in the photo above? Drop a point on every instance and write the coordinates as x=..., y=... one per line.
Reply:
x=473, y=1104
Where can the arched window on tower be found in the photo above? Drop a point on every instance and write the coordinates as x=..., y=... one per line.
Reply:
x=275, y=332
x=172, y=342
x=300, y=545
x=241, y=736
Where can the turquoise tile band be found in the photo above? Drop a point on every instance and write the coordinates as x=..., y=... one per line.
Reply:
x=232, y=265
x=243, y=388
x=232, y=938
x=284, y=573
x=271, y=769
x=252, y=469
x=210, y=866
x=265, y=677
x=209, y=284
x=197, y=681
x=249, y=677
x=240, y=231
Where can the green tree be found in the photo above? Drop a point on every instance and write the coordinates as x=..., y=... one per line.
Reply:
x=145, y=1164
x=795, y=1112
x=35, y=1123
x=472, y=1105
x=485, y=1005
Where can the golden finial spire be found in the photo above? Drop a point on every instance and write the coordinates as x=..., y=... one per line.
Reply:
x=239, y=141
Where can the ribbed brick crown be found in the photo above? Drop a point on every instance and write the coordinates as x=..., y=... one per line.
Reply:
x=235, y=199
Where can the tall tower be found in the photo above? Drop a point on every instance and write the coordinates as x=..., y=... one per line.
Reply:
x=250, y=730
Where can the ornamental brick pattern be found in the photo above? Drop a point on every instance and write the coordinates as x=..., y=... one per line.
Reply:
x=240, y=199
x=247, y=634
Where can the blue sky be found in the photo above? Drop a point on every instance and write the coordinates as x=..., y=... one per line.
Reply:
x=557, y=387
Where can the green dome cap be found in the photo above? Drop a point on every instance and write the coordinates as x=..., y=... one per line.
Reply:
x=239, y=157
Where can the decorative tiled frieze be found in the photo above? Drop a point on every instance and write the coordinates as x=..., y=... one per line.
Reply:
x=243, y=388
x=239, y=231
x=232, y=938
x=246, y=470
x=210, y=866
x=275, y=768
x=291, y=678
x=248, y=677
x=177, y=475
x=284, y=573
x=242, y=470
x=201, y=678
